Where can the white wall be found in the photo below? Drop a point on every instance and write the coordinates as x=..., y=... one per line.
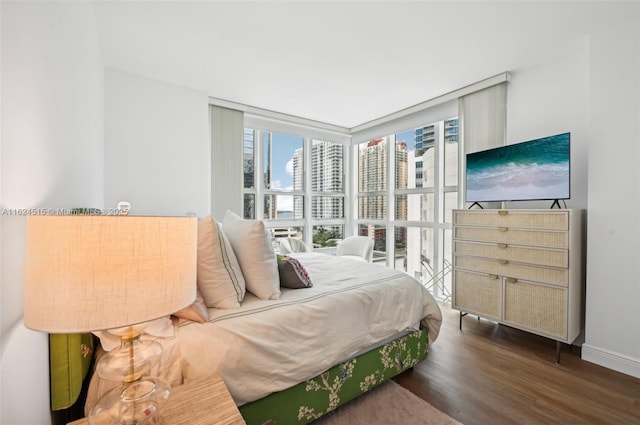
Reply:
x=157, y=148
x=548, y=99
x=594, y=93
x=52, y=156
x=613, y=266
x=55, y=120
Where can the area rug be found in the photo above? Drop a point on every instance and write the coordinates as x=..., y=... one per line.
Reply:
x=389, y=404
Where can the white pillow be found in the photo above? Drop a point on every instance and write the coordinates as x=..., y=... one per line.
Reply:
x=250, y=242
x=220, y=279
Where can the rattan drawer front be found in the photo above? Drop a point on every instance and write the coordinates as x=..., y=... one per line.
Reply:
x=553, y=276
x=536, y=307
x=478, y=293
x=539, y=256
x=547, y=239
x=525, y=219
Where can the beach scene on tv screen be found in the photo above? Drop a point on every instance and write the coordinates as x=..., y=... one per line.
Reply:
x=537, y=169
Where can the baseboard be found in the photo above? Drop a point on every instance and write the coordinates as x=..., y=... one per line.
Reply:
x=611, y=360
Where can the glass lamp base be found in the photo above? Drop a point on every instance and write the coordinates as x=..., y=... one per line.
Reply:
x=133, y=359
x=138, y=403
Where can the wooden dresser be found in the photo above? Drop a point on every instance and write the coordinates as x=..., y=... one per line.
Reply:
x=522, y=268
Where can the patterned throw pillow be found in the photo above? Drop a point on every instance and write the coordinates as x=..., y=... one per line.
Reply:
x=292, y=274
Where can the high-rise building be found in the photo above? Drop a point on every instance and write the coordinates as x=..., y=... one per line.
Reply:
x=270, y=201
x=298, y=182
x=248, y=162
x=402, y=176
x=425, y=137
x=451, y=131
x=372, y=177
x=327, y=175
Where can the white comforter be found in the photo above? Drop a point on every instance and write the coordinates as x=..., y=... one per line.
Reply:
x=267, y=346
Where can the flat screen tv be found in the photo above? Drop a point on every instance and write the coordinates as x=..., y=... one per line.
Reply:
x=533, y=170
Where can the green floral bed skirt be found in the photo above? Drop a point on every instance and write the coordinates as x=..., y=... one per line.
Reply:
x=311, y=399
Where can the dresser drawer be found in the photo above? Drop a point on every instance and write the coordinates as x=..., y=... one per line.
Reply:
x=542, y=238
x=512, y=218
x=539, y=256
x=536, y=307
x=550, y=275
x=477, y=293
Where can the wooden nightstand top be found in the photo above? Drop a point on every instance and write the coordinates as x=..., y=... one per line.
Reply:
x=203, y=401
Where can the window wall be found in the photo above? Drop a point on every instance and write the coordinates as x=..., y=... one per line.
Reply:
x=296, y=185
x=407, y=185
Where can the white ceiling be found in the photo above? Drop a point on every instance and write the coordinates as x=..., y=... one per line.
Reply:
x=340, y=62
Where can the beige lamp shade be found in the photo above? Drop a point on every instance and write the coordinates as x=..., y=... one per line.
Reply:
x=89, y=272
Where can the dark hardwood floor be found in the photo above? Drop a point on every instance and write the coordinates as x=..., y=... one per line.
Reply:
x=489, y=374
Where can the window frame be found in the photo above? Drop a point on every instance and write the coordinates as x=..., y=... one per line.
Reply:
x=439, y=225
x=307, y=222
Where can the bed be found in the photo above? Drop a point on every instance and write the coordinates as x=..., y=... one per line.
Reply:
x=290, y=358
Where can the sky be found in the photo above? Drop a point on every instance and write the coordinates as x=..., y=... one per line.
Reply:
x=283, y=148
x=408, y=136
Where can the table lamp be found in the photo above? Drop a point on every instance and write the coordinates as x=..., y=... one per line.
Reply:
x=86, y=273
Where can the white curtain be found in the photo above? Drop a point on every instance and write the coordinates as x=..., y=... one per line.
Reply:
x=483, y=117
x=482, y=121
x=227, y=128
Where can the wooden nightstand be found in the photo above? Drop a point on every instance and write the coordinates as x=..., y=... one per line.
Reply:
x=203, y=401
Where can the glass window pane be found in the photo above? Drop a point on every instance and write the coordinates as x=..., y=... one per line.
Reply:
x=283, y=207
x=401, y=207
x=422, y=251
x=405, y=253
x=451, y=152
x=249, y=206
x=372, y=207
x=399, y=248
x=379, y=235
x=372, y=165
x=327, y=207
x=447, y=265
x=424, y=155
x=403, y=179
x=326, y=237
x=283, y=161
x=438, y=272
x=287, y=232
x=415, y=257
x=405, y=167
x=450, y=203
x=428, y=167
x=415, y=207
x=248, y=158
x=327, y=167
